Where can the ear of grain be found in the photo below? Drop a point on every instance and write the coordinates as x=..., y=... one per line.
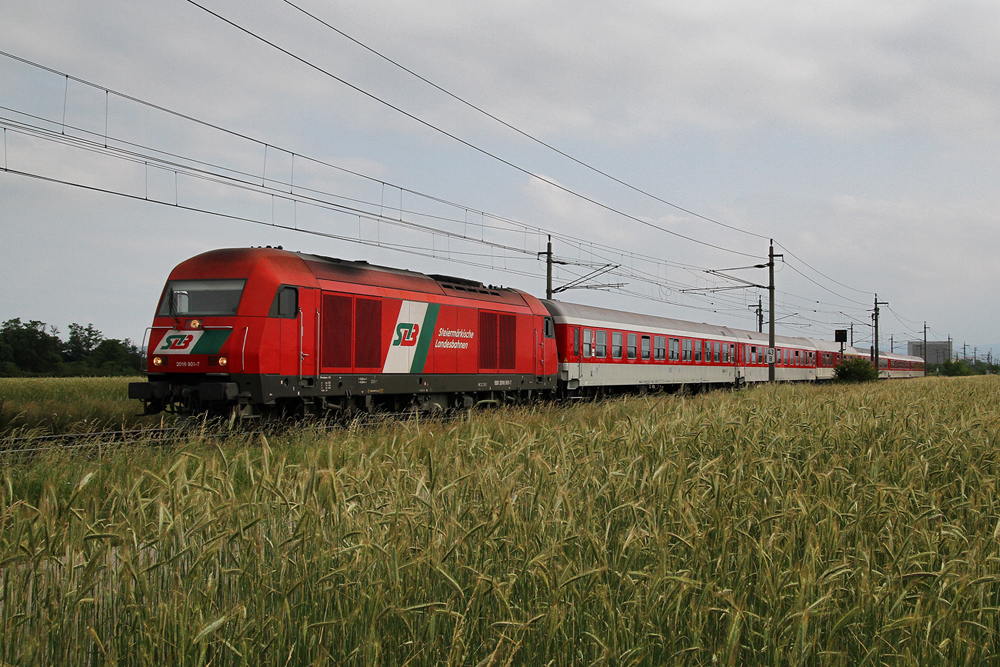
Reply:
x=786, y=525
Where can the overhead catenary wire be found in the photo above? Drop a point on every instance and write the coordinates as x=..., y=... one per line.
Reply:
x=468, y=144
x=264, y=144
x=518, y=130
x=409, y=249
x=634, y=273
x=253, y=186
x=466, y=258
x=250, y=177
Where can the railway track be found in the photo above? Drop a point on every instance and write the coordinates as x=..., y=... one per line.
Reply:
x=29, y=444
x=96, y=440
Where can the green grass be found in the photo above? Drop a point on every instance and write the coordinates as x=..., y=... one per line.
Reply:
x=797, y=525
x=68, y=405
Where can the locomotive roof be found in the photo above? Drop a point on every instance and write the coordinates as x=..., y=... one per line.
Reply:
x=636, y=320
x=363, y=273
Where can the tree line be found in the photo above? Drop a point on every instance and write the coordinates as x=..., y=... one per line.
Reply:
x=36, y=349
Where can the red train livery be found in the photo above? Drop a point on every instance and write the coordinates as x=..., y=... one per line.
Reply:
x=265, y=329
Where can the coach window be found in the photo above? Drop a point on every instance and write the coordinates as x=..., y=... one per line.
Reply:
x=601, y=343
x=687, y=349
x=697, y=350
x=659, y=348
x=616, y=344
x=286, y=303
x=797, y=358
x=576, y=342
x=675, y=349
x=586, y=343
x=645, y=348
x=716, y=357
x=631, y=346
x=732, y=353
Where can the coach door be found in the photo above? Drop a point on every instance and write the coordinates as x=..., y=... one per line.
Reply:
x=577, y=350
x=740, y=361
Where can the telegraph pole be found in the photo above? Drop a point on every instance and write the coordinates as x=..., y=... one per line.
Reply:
x=770, y=298
x=875, y=317
x=892, y=345
x=548, y=269
x=925, y=348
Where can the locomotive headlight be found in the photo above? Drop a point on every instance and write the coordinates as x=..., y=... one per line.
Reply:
x=194, y=324
x=223, y=361
x=158, y=361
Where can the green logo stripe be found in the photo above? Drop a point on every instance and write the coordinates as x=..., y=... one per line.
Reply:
x=424, y=343
x=211, y=341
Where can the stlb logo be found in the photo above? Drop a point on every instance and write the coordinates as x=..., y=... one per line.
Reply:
x=176, y=342
x=406, y=334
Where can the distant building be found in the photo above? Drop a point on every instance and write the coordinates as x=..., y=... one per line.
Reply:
x=938, y=351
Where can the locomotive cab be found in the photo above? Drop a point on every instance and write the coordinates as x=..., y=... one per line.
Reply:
x=213, y=313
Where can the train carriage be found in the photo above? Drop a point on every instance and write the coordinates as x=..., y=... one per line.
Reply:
x=828, y=356
x=602, y=348
x=795, y=358
x=902, y=366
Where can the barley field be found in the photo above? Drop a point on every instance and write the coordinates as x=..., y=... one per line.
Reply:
x=68, y=405
x=794, y=525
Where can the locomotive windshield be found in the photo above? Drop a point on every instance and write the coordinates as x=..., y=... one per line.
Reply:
x=201, y=297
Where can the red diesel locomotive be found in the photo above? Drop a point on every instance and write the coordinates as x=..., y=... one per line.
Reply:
x=264, y=329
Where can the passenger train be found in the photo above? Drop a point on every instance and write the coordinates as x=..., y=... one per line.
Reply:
x=264, y=330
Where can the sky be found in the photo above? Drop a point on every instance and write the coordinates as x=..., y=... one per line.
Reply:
x=661, y=141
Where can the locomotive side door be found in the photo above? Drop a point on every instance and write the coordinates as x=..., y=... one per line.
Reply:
x=286, y=309
x=296, y=308
x=309, y=319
